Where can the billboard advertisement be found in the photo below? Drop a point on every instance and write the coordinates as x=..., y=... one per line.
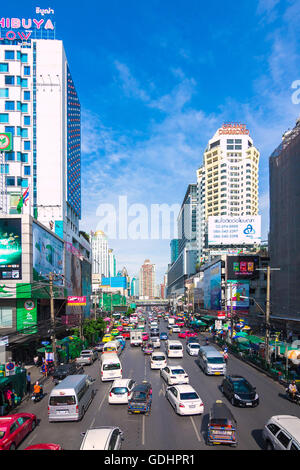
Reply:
x=10, y=249
x=48, y=254
x=234, y=230
x=212, y=287
x=239, y=289
x=27, y=316
x=242, y=267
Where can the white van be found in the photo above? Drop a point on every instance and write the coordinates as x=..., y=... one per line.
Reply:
x=69, y=400
x=211, y=361
x=111, y=367
x=174, y=348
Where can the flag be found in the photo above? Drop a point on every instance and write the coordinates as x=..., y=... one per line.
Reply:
x=23, y=200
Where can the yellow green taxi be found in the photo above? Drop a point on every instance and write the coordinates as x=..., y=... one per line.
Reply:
x=106, y=338
x=114, y=332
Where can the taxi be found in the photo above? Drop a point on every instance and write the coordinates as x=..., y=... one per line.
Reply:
x=114, y=332
x=14, y=428
x=108, y=337
x=187, y=334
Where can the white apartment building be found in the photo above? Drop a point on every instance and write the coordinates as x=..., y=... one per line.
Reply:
x=100, y=253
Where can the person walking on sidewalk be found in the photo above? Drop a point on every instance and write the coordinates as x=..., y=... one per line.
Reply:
x=28, y=383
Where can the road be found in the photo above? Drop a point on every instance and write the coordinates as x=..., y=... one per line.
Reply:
x=163, y=429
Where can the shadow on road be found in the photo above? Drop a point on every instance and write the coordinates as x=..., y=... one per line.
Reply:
x=257, y=435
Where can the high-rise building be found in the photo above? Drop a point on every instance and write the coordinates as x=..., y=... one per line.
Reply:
x=230, y=164
x=284, y=239
x=112, y=264
x=174, y=249
x=100, y=253
x=147, y=280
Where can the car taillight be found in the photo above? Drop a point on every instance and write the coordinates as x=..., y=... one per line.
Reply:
x=102, y=372
x=110, y=394
x=48, y=410
x=77, y=409
x=128, y=394
x=181, y=405
x=200, y=404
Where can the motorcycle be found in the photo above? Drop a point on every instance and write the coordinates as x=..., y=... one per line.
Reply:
x=225, y=355
x=293, y=399
x=36, y=397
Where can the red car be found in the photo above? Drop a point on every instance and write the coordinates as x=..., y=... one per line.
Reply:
x=179, y=323
x=145, y=336
x=44, y=447
x=125, y=334
x=187, y=334
x=14, y=428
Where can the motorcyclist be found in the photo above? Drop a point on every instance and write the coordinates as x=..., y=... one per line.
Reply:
x=37, y=389
x=206, y=341
x=292, y=389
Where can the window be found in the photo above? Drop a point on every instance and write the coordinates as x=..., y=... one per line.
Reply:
x=24, y=82
x=24, y=108
x=26, y=95
x=4, y=93
x=27, y=121
x=10, y=129
x=3, y=67
x=4, y=169
x=9, y=156
x=6, y=316
x=9, y=55
x=24, y=182
x=24, y=58
x=24, y=157
x=27, y=145
x=9, y=80
x=9, y=105
x=283, y=439
x=27, y=170
x=10, y=181
x=24, y=133
x=26, y=71
x=3, y=118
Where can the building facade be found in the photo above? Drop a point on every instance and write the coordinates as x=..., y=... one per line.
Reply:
x=147, y=280
x=100, y=253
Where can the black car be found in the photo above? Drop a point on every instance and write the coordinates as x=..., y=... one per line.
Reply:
x=239, y=391
x=140, y=399
x=63, y=370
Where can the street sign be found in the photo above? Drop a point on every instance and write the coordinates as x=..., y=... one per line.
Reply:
x=10, y=368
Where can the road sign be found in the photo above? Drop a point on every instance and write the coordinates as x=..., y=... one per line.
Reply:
x=10, y=368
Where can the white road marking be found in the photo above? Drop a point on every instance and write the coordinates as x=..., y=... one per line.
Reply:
x=195, y=429
x=143, y=431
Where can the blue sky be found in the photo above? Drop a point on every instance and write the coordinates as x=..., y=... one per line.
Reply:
x=155, y=81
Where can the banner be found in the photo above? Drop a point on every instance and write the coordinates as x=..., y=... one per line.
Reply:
x=76, y=301
x=239, y=290
x=48, y=254
x=10, y=249
x=27, y=316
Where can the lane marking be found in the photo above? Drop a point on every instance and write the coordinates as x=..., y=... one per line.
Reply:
x=195, y=429
x=143, y=431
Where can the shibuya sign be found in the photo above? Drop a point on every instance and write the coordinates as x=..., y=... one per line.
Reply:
x=22, y=28
x=234, y=128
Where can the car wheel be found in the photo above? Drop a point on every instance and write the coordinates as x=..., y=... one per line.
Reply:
x=232, y=401
x=269, y=446
x=12, y=446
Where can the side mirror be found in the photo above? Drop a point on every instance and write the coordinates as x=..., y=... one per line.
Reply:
x=82, y=434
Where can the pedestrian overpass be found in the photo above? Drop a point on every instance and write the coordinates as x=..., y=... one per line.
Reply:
x=152, y=303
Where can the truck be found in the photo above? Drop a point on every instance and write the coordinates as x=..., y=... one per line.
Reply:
x=136, y=338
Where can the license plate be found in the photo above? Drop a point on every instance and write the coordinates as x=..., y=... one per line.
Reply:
x=136, y=411
x=248, y=404
x=62, y=412
x=192, y=406
x=217, y=373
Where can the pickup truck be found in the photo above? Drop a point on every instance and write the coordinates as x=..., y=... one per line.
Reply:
x=136, y=338
x=87, y=357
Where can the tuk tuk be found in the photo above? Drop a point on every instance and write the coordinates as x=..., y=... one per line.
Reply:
x=222, y=426
x=147, y=347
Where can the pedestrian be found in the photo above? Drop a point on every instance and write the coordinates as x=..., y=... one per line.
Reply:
x=36, y=360
x=8, y=396
x=28, y=383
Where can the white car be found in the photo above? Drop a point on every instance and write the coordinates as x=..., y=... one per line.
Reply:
x=155, y=341
x=175, y=328
x=282, y=432
x=174, y=375
x=185, y=400
x=193, y=349
x=104, y=438
x=120, y=390
x=158, y=360
x=153, y=324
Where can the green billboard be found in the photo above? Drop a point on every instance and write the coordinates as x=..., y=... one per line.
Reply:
x=6, y=142
x=27, y=316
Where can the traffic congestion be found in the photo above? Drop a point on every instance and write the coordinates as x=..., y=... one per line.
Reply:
x=153, y=383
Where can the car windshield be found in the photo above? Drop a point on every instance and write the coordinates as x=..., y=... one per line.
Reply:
x=158, y=358
x=189, y=396
x=177, y=371
x=215, y=360
x=63, y=400
x=195, y=346
x=119, y=390
x=113, y=366
x=241, y=386
x=83, y=353
x=175, y=346
x=221, y=422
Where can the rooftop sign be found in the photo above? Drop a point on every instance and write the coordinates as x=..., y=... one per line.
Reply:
x=23, y=28
x=234, y=128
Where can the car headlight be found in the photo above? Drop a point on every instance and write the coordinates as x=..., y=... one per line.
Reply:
x=236, y=396
x=256, y=397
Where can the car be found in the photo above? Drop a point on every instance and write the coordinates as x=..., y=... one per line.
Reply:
x=282, y=432
x=63, y=370
x=120, y=391
x=121, y=340
x=174, y=328
x=187, y=334
x=103, y=438
x=140, y=399
x=87, y=357
x=158, y=360
x=145, y=336
x=193, y=348
x=155, y=341
x=125, y=334
x=107, y=337
x=184, y=399
x=174, y=375
x=147, y=347
x=14, y=428
x=179, y=323
x=48, y=446
x=192, y=340
x=239, y=391
x=114, y=332
x=99, y=347
x=163, y=335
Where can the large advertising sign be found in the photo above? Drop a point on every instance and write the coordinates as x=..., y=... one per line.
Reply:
x=242, y=267
x=240, y=295
x=234, y=230
x=23, y=29
x=6, y=142
x=27, y=316
x=10, y=249
x=48, y=254
x=212, y=287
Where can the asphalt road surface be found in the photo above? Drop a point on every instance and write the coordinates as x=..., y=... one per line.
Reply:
x=163, y=429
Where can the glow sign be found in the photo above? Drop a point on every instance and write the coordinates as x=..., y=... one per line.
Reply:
x=234, y=128
x=22, y=28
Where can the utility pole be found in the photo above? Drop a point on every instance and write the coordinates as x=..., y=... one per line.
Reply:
x=231, y=314
x=53, y=323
